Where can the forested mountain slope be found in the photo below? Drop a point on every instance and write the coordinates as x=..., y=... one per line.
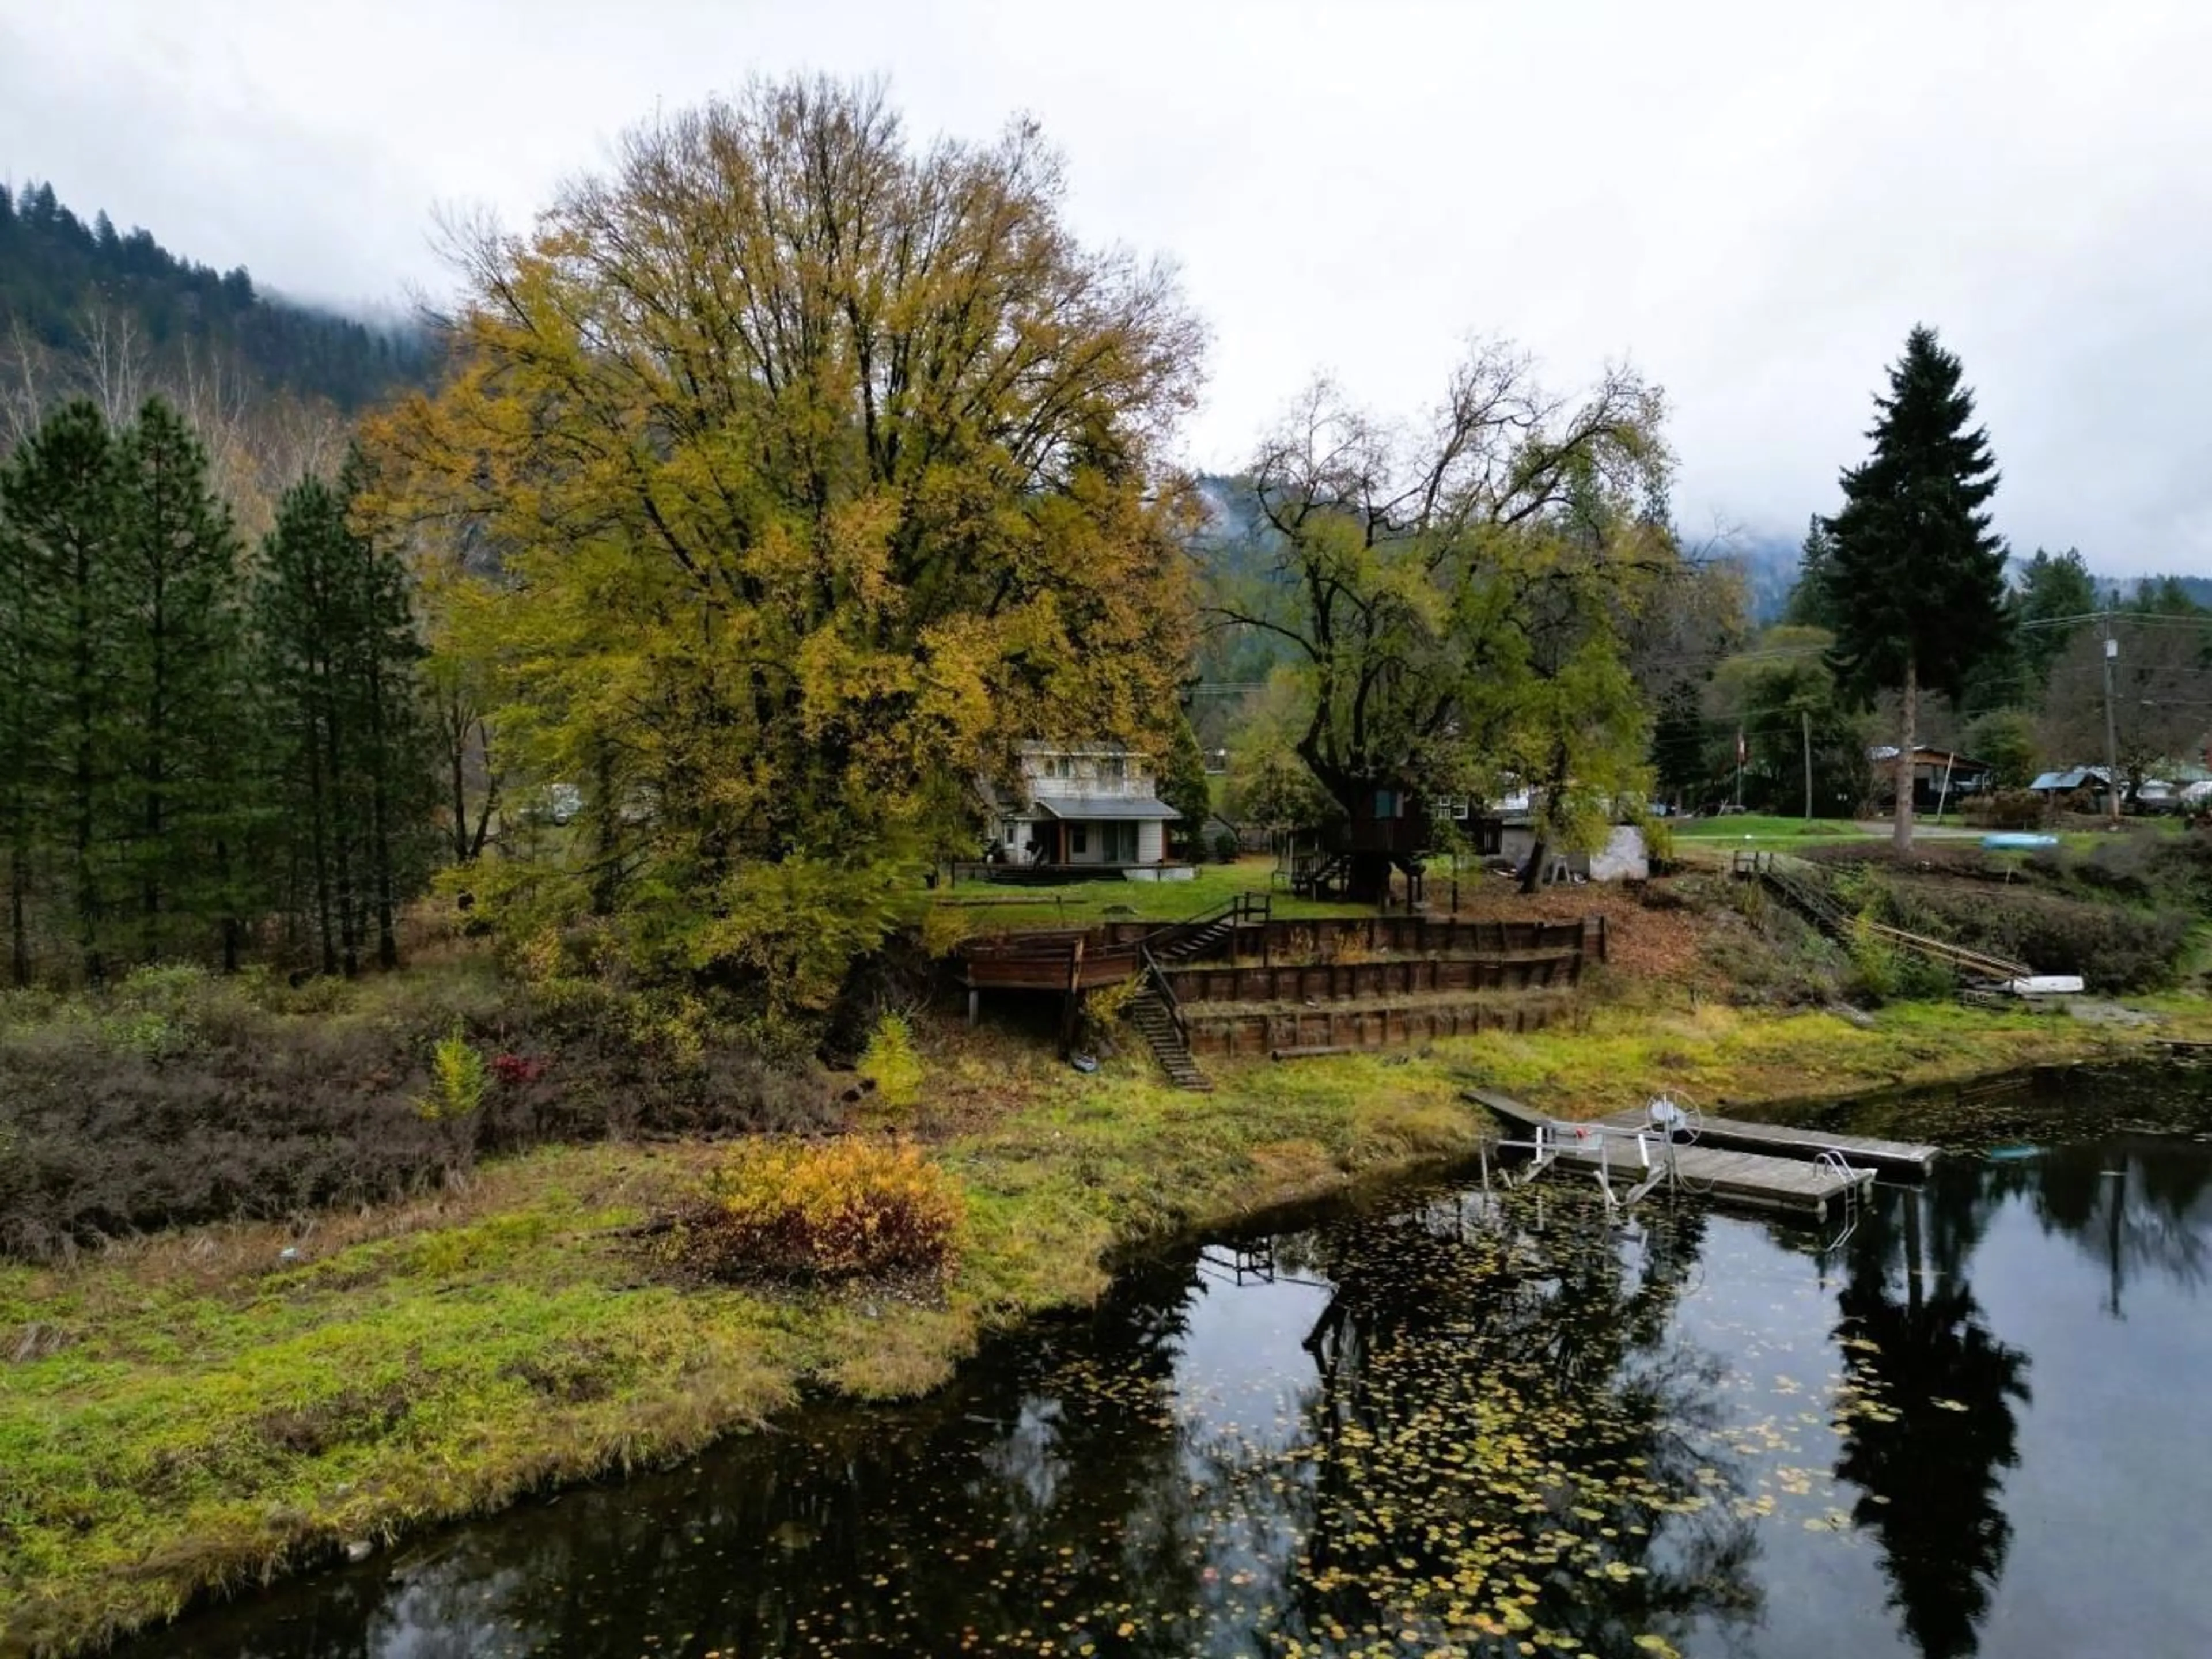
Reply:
x=70, y=288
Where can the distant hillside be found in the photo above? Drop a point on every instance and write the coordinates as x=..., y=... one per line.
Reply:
x=57, y=273
x=1236, y=554
x=1770, y=567
x=1770, y=571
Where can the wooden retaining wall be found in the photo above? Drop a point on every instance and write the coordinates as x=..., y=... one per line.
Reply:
x=1307, y=1030
x=1345, y=982
x=1293, y=961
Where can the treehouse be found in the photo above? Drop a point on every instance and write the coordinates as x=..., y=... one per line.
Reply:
x=1391, y=831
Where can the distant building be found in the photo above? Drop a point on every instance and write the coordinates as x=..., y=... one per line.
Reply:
x=1940, y=776
x=1083, y=804
x=2091, y=778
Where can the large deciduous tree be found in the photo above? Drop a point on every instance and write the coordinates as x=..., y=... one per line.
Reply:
x=1455, y=594
x=1916, y=579
x=817, y=468
x=2155, y=685
x=1803, y=740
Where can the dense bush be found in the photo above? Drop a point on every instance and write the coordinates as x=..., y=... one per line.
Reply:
x=2113, y=947
x=179, y=1097
x=840, y=1209
x=2007, y=809
x=1880, y=972
x=890, y=1063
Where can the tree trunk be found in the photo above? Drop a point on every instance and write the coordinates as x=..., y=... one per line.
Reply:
x=318, y=827
x=457, y=754
x=19, y=899
x=1902, y=840
x=380, y=828
x=87, y=890
x=1532, y=877
x=475, y=842
x=231, y=928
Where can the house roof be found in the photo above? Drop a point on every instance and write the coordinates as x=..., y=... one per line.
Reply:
x=2066, y=782
x=1107, y=746
x=1092, y=809
x=1923, y=755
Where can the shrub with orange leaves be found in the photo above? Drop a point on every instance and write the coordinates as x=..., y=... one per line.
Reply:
x=841, y=1209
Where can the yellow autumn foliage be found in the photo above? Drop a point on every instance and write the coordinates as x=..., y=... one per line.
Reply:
x=845, y=1208
x=764, y=593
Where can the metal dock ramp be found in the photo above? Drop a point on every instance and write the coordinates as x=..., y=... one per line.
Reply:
x=1629, y=1159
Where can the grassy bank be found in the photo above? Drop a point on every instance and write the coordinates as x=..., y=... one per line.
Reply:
x=212, y=1406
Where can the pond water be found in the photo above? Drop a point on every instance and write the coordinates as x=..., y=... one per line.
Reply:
x=1441, y=1421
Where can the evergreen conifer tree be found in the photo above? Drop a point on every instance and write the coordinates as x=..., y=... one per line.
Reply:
x=341, y=663
x=1183, y=785
x=1917, y=579
x=178, y=676
x=1812, y=602
x=59, y=497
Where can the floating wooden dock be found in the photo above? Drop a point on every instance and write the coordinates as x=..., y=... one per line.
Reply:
x=1795, y=1175
x=1729, y=1134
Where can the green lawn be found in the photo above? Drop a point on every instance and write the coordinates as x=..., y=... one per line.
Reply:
x=1757, y=832
x=1736, y=826
x=984, y=907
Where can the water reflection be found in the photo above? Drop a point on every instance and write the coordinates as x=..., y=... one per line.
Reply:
x=2131, y=1207
x=1452, y=1424
x=1929, y=1422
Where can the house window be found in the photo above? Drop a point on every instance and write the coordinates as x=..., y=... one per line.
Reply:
x=1062, y=766
x=1080, y=839
x=1113, y=768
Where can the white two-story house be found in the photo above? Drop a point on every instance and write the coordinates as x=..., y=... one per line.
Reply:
x=1086, y=804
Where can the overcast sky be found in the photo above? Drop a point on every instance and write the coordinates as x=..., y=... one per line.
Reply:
x=1751, y=202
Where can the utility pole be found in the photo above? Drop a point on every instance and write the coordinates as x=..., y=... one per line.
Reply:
x=1805, y=724
x=2112, y=732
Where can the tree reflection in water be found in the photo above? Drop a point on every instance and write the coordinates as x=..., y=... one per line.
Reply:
x=1512, y=1440
x=2131, y=1206
x=1928, y=1420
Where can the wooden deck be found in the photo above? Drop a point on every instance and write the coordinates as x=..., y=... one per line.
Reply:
x=1795, y=1185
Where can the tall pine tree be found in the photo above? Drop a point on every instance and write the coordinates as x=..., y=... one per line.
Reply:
x=60, y=499
x=1812, y=602
x=1916, y=579
x=341, y=662
x=177, y=670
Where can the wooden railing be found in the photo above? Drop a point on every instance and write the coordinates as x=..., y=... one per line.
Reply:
x=1244, y=908
x=1800, y=888
x=1159, y=981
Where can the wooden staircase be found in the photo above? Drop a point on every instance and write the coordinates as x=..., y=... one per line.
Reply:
x=1321, y=875
x=1163, y=1035
x=1800, y=888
